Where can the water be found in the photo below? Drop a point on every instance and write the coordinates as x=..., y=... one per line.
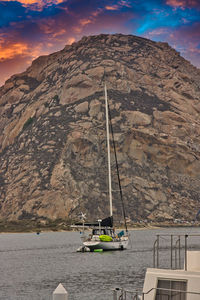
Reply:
x=32, y=266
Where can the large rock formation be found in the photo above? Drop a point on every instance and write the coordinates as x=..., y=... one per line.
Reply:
x=52, y=132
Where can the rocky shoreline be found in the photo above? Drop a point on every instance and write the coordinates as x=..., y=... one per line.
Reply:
x=65, y=225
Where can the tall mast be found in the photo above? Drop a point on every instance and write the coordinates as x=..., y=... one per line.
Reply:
x=108, y=149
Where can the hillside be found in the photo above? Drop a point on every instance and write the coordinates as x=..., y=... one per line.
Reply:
x=52, y=132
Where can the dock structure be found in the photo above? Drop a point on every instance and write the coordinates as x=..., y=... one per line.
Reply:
x=60, y=293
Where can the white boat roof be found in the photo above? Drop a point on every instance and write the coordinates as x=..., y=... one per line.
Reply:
x=175, y=274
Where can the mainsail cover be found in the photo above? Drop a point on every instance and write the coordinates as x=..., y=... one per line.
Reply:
x=107, y=222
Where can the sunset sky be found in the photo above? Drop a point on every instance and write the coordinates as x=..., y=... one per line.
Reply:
x=30, y=28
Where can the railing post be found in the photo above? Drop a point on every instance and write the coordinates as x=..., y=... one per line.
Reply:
x=60, y=293
x=154, y=253
x=186, y=236
x=157, y=251
x=178, y=256
x=171, y=251
x=136, y=296
x=179, y=251
x=115, y=293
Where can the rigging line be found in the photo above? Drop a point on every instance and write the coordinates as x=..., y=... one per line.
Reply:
x=116, y=161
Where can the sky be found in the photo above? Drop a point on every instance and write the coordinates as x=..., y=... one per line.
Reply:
x=30, y=28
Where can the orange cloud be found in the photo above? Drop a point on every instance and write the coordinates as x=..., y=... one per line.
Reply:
x=70, y=40
x=36, y=4
x=58, y=33
x=113, y=7
x=48, y=26
x=182, y=3
x=84, y=22
x=12, y=50
x=37, y=50
x=77, y=29
x=25, y=2
x=118, y=6
x=28, y=2
x=97, y=12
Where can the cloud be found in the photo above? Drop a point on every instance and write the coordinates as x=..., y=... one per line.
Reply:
x=185, y=39
x=184, y=3
x=12, y=66
x=24, y=2
x=120, y=4
x=125, y=3
x=84, y=22
x=61, y=32
x=12, y=50
x=113, y=7
x=70, y=40
x=35, y=4
x=29, y=28
x=159, y=32
x=16, y=57
x=188, y=40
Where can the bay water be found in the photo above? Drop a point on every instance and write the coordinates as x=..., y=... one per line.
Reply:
x=32, y=266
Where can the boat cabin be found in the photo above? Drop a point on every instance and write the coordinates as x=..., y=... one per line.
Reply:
x=103, y=231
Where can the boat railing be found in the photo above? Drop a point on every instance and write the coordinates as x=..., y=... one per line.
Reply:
x=178, y=247
x=123, y=294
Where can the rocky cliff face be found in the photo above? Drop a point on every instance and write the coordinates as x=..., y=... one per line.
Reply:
x=52, y=132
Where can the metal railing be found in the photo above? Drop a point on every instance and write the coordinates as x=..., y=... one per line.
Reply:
x=123, y=294
x=177, y=242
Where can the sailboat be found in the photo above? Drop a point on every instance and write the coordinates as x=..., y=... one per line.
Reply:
x=103, y=236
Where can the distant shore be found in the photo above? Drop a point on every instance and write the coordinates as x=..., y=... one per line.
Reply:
x=65, y=225
x=20, y=226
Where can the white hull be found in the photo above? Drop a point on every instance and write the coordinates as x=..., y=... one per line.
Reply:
x=106, y=246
